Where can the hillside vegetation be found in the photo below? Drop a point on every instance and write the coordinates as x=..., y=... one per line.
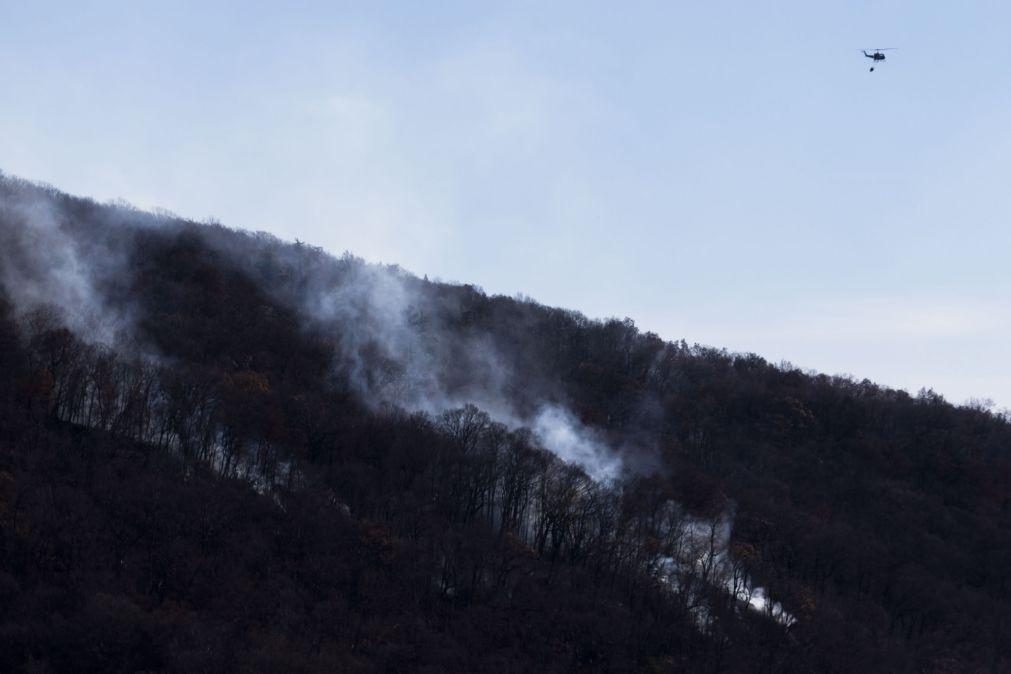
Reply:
x=223, y=452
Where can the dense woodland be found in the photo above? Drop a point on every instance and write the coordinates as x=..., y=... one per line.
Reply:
x=213, y=458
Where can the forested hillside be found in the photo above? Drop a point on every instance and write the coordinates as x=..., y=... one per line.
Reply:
x=223, y=452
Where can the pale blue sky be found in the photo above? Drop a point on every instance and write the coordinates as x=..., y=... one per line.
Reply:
x=727, y=172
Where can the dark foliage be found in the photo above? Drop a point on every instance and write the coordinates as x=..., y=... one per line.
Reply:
x=214, y=494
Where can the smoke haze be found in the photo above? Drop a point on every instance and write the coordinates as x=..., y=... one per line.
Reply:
x=400, y=341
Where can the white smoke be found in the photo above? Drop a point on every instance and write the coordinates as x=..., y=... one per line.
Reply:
x=562, y=434
x=41, y=264
x=704, y=552
x=392, y=331
x=396, y=349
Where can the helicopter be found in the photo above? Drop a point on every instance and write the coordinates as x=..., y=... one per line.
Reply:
x=877, y=55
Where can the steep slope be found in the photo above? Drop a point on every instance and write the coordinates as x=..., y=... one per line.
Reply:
x=874, y=526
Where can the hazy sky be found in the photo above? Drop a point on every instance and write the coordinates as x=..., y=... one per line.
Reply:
x=726, y=172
